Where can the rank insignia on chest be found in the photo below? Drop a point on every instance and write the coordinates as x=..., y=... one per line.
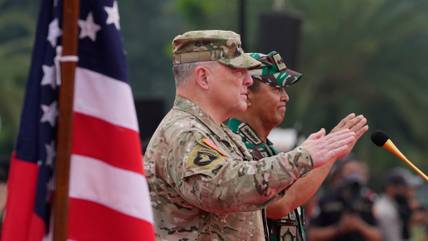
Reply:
x=248, y=133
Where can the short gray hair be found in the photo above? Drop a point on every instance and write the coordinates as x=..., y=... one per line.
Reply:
x=182, y=72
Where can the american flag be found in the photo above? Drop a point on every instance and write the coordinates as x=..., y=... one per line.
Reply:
x=108, y=196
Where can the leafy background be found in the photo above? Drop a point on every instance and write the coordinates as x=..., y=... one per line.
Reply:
x=365, y=56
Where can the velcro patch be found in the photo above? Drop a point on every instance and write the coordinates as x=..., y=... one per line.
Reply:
x=211, y=144
x=203, y=158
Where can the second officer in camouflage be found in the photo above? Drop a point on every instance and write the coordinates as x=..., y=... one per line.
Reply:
x=267, y=104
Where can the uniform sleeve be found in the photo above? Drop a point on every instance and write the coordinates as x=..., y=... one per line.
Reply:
x=218, y=181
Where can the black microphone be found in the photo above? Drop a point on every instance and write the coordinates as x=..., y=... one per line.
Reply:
x=379, y=138
x=382, y=140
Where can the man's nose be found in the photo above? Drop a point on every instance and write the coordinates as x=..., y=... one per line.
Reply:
x=248, y=81
x=284, y=95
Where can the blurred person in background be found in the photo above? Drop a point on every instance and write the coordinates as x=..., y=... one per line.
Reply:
x=397, y=208
x=267, y=101
x=417, y=224
x=346, y=209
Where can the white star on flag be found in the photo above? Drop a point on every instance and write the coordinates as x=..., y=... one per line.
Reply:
x=50, y=153
x=88, y=28
x=113, y=15
x=49, y=113
x=54, y=32
x=48, y=76
x=49, y=193
x=51, y=187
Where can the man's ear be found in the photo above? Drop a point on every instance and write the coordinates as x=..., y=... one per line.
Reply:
x=202, y=73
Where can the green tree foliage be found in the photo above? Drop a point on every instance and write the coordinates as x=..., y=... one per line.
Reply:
x=364, y=56
x=148, y=27
x=367, y=56
x=16, y=39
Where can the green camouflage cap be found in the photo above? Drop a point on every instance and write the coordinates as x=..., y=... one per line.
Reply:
x=273, y=70
x=211, y=45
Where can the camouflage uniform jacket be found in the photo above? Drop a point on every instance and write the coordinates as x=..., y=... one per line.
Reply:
x=291, y=226
x=204, y=184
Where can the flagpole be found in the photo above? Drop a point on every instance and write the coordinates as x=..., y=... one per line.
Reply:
x=62, y=166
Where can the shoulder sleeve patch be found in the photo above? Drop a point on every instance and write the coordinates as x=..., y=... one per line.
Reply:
x=203, y=159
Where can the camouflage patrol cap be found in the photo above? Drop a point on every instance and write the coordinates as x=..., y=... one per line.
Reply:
x=273, y=70
x=211, y=45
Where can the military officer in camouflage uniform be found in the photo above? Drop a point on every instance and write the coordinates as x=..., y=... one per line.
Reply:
x=267, y=100
x=204, y=184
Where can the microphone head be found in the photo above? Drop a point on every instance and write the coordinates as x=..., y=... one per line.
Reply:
x=379, y=138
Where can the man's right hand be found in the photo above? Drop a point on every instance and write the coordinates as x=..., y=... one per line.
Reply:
x=357, y=124
x=324, y=148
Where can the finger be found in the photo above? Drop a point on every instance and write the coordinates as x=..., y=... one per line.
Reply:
x=348, y=143
x=339, y=132
x=353, y=121
x=337, y=152
x=333, y=143
x=362, y=122
x=341, y=142
x=343, y=121
x=317, y=134
x=347, y=118
x=339, y=135
x=361, y=131
x=360, y=128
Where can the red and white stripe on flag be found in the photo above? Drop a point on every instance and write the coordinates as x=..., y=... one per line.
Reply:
x=109, y=197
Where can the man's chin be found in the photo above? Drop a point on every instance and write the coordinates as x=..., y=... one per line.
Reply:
x=243, y=106
x=280, y=117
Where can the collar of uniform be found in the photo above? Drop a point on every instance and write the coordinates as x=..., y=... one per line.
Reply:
x=245, y=130
x=251, y=137
x=186, y=105
x=233, y=124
